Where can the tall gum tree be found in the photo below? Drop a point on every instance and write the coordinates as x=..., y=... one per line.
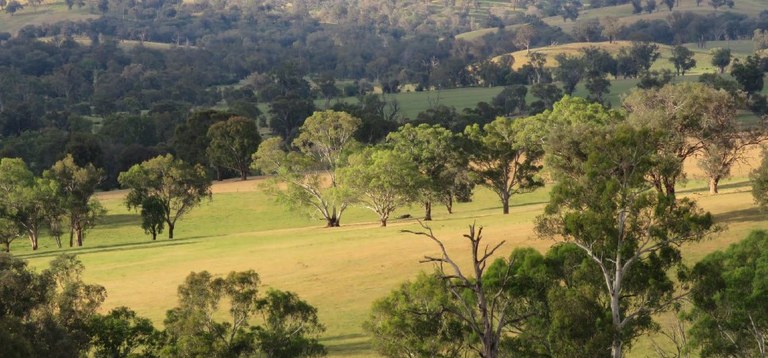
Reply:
x=171, y=183
x=504, y=159
x=323, y=144
x=601, y=202
x=435, y=150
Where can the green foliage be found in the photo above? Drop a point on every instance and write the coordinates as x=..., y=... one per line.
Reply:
x=417, y=320
x=721, y=58
x=288, y=328
x=688, y=115
x=232, y=143
x=504, y=158
x=171, y=183
x=121, y=334
x=602, y=204
x=759, y=178
x=435, y=150
x=382, y=180
x=75, y=186
x=728, y=291
x=682, y=59
x=191, y=137
x=152, y=216
x=749, y=73
x=46, y=314
x=324, y=142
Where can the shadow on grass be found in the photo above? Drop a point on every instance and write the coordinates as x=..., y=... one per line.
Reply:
x=740, y=216
x=353, y=345
x=698, y=188
x=119, y=220
x=111, y=248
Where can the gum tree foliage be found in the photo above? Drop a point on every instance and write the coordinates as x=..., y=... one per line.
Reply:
x=75, y=187
x=436, y=152
x=552, y=295
x=231, y=144
x=417, y=320
x=682, y=59
x=721, y=58
x=492, y=300
x=122, y=333
x=46, y=314
x=504, y=158
x=688, y=116
x=24, y=199
x=759, y=178
x=167, y=182
x=729, y=316
x=383, y=180
x=601, y=203
x=288, y=326
x=323, y=144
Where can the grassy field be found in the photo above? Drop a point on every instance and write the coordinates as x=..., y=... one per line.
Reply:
x=48, y=13
x=341, y=271
x=624, y=12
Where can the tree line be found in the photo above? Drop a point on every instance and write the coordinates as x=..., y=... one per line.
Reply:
x=619, y=229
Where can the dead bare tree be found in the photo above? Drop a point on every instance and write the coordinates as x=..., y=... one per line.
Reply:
x=486, y=314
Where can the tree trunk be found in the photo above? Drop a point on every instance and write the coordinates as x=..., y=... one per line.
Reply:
x=427, y=211
x=449, y=203
x=244, y=175
x=616, y=348
x=713, y=182
x=170, y=230
x=332, y=221
x=383, y=222
x=505, y=202
x=154, y=235
x=33, y=240
x=7, y=246
x=79, y=232
x=71, y=237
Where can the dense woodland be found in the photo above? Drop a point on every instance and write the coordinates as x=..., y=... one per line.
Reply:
x=162, y=98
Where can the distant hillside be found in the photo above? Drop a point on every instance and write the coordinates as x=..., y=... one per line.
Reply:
x=702, y=56
x=46, y=13
x=624, y=13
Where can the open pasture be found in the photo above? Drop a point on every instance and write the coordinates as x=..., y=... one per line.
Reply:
x=341, y=271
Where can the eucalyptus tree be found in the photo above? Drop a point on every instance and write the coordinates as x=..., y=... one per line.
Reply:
x=75, y=186
x=164, y=186
x=436, y=152
x=601, y=203
x=383, y=180
x=505, y=158
x=311, y=171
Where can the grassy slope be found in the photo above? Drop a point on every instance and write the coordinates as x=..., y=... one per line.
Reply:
x=341, y=271
x=48, y=13
x=749, y=7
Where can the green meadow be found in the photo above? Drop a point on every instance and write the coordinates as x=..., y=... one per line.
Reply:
x=341, y=271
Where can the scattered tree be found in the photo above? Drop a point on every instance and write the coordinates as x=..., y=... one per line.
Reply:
x=166, y=181
x=75, y=188
x=504, y=159
x=382, y=180
x=232, y=142
x=682, y=59
x=311, y=173
x=721, y=58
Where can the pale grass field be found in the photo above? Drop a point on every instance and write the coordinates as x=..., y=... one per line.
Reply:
x=341, y=271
